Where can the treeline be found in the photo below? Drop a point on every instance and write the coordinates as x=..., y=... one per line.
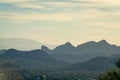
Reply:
x=58, y=75
x=111, y=75
x=9, y=71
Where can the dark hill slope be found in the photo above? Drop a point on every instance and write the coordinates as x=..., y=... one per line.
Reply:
x=95, y=64
x=34, y=58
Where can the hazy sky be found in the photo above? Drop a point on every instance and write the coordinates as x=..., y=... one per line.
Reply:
x=59, y=21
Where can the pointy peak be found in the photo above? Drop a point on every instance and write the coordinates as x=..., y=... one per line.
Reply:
x=68, y=44
x=103, y=42
x=42, y=47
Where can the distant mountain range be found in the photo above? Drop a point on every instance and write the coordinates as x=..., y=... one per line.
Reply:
x=90, y=56
x=82, y=52
x=38, y=59
x=22, y=44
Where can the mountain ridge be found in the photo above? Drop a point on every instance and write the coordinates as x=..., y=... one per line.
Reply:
x=85, y=51
x=95, y=64
x=34, y=58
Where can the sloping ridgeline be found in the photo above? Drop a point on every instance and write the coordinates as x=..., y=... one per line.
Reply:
x=30, y=59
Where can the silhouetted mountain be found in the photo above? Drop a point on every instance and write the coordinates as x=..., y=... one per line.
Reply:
x=95, y=64
x=2, y=51
x=46, y=49
x=98, y=47
x=21, y=44
x=32, y=59
x=65, y=48
x=115, y=56
x=84, y=51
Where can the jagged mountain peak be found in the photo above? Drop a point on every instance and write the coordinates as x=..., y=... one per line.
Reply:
x=103, y=42
x=68, y=44
x=46, y=49
x=87, y=43
x=93, y=43
x=64, y=48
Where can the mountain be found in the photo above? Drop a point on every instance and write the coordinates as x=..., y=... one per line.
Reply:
x=2, y=51
x=89, y=47
x=21, y=44
x=46, y=49
x=84, y=51
x=95, y=64
x=98, y=47
x=30, y=59
x=115, y=56
x=66, y=48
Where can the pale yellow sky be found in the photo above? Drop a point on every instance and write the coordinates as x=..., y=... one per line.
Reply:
x=60, y=21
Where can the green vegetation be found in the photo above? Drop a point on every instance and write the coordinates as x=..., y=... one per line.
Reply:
x=35, y=74
x=111, y=75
